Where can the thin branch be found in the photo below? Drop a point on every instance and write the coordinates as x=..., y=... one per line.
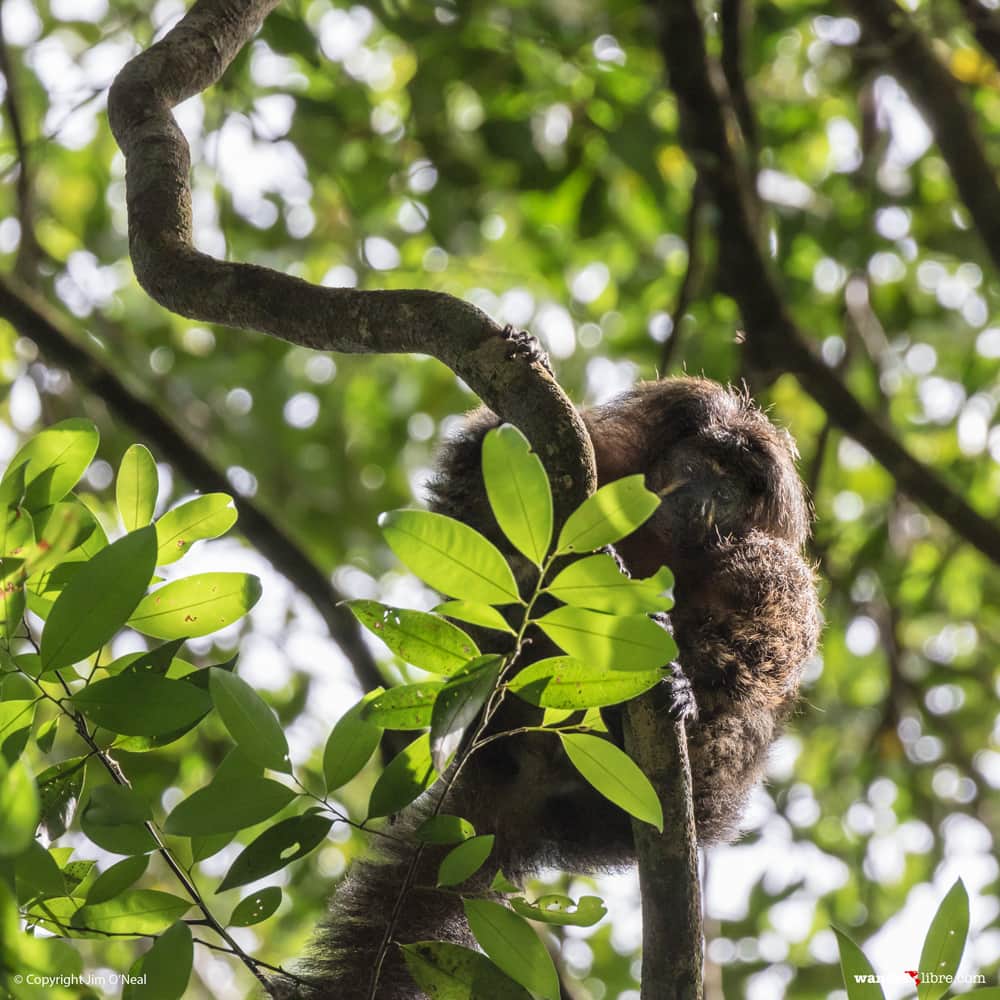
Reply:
x=985, y=26
x=28, y=251
x=500, y=368
x=735, y=21
x=692, y=275
x=936, y=94
x=774, y=340
x=34, y=319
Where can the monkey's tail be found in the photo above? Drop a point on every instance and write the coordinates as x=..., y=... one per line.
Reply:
x=341, y=962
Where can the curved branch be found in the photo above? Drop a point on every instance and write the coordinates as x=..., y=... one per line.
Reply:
x=936, y=93
x=509, y=379
x=34, y=319
x=774, y=340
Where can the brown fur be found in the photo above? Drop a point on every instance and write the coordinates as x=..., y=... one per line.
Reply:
x=746, y=620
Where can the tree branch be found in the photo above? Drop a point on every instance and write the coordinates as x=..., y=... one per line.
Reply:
x=509, y=379
x=672, y=940
x=935, y=92
x=735, y=19
x=774, y=340
x=28, y=251
x=34, y=319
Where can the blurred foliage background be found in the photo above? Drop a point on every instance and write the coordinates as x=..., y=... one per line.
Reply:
x=525, y=156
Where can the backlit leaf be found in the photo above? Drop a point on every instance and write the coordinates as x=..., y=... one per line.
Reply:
x=450, y=556
x=615, y=775
x=518, y=491
x=136, y=487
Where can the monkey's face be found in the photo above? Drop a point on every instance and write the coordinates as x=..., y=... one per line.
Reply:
x=719, y=466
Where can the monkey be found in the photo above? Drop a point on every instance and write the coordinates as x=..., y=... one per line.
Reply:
x=731, y=525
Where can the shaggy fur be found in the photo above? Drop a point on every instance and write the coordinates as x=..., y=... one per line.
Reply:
x=732, y=524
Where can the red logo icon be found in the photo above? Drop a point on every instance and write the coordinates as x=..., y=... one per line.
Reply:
x=914, y=975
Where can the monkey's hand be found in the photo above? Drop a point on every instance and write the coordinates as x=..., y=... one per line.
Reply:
x=683, y=705
x=521, y=344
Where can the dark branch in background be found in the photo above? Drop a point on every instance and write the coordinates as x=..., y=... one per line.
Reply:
x=985, y=26
x=28, y=251
x=34, y=319
x=672, y=940
x=689, y=283
x=774, y=342
x=936, y=94
x=508, y=377
x=735, y=18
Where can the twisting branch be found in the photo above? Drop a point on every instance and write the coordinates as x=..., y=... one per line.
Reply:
x=499, y=367
x=775, y=342
x=935, y=92
x=28, y=251
x=34, y=319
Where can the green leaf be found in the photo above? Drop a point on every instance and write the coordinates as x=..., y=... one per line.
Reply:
x=464, y=861
x=596, y=582
x=351, y=743
x=945, y=942
x=423, y=639
x=16, y=718
x=136, y=703
x=17, y=531
x=457, y=706
x=859, y=976
x=227, y=806
x=117, y=879
x=114, y=818
x=59, y=530
x=513, y=945
x=250, y=722
x=555, y=908
x=408, y=774
x=133, y=914
x=565, y=682
x=450, y=556
x=207, y=516
x=408, y=706
x=276, y=848
x=197, y=605
x=12, y=601
x=137, y=487
x=166, y=968
x=59, y=787
x=615, y=775
x=444, y=829
x=518, y=491
x=256, y=907
x=38, y=874
x=616, y=642
x=56, y=458
x=98, y=600
x=613, y=512
x=19, y=809
x=450, y=972
x=475, y=614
